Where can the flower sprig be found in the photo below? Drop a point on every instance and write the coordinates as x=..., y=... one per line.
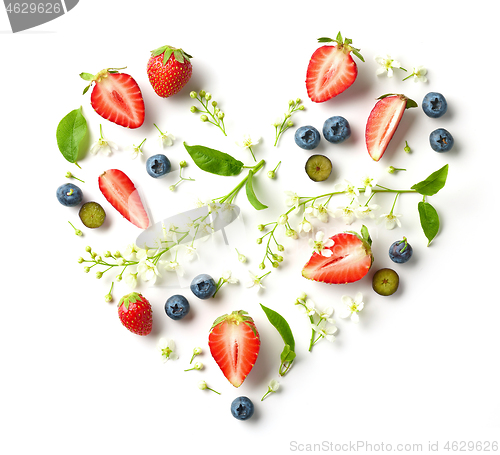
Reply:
x=182, y=165
x=285, y=122
x=215, y=115
x=322, y=323
x=318, y=207
x=226, y=277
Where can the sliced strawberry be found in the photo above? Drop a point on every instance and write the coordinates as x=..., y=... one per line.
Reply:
x=350, y=260
x=116, y=97
x=383, y=122
x=121, y=193
x=234, y=344
x=331, y=69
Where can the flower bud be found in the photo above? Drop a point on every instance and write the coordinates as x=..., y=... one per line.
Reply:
x=281, y=248
x=197, y=351
x=283, y=219
x=194, y=109
x=118, y=254
x=107, y=254
x=214, y=103
x=86, y=269
x=118, y=278
x=108, y=297
x=208, y=96
x=171, y=187
x=242, y=258
x=78, y=232
x=193, y=94
x=261, y=227
x=98, y=275
x=204, y=118
x=289, y=123
x=275, y=264
x=391, y=169
x=80, y=260
x=220, y=115
x=202, y=93
x=88, y=249
x=202, y=385
x=183, y=164
x=262, y=266
x=271, y=174
x=259, y=241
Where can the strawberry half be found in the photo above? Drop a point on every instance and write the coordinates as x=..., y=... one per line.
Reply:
x=116, y=97
x=234, y=344
x=135, y=313
x=350, y=260
x=122, y=194
x=331, y=69
x=169, y=70
x=383, y=122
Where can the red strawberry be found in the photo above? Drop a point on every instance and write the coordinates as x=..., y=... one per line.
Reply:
x=350, y=260
x=169, y=70
x=136, y=314
x=383, y=122
x=234, y=344
x=116, y=97
x=331, y=69
x=121, y=193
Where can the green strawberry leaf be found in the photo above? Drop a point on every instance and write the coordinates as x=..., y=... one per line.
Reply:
x=70, y=133
x=178, y=56
x=126, y=300
x=366, y=235
x=87, y=76
x=252, y=198
x=213, y=161
x=325, y=40
x=280, y=324
x=429, y=220
x=166, y=55
x=432, y=184
x=410, y=103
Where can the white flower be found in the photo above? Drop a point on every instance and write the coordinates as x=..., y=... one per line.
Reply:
x=419, y=74
x=350, y=190
x=103, y=146
x=292, y=200
x=241, y=257
x=174, y=266
x=326, y=315
x=351, y=307
x=136, y=150
x=228, y=278
x=347, y=214
x=167, y=349
x=148, y=271
x=190, y=252
x=364, y=211
x=131, y=280
x=130, y=251
x=254, y=281
x=283, y=219
x=307, y=306
x=386, y=65
x=247, y=141
x=368, y=184
x=321, y=212
x=273, y=385
x=321, y=247
x=391, y=220
x=304, y=226
x=165, y=139
x=144, y=253
x=325, y=330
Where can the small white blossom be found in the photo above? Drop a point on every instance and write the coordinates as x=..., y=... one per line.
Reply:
x=167, y=349
x=148, y=271
x=304, y=226
x=368, y=183
x=321, y=247
x=325, y=330
x=351, y=307
x=321, y=212
x=346, y=213
x=307, y=306
x=228, y=278
x=254, y=281
x=350, y=190
x=391, y=220
x=131, y=280
x=104, y=146
x=190, y=253
x=326, y=315
x=283, y=219
x=136, y=150
x=130, y=251
x=386, y=65
x=419, y=74
x=174, y=266
x=364, y=211
x=247, y=141
x=292, y=200
x=165, y=139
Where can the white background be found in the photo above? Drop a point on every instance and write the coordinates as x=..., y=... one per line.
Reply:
x=422, y=365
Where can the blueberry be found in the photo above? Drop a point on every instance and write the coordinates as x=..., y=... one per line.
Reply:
x=242, y=408
x=434, y=104
x=400, y=251
x=158, y=165
x=441, y=140
x=203, y=286
x=307, y=137
x=69, y=195
x=177, y=307
x=336, y=129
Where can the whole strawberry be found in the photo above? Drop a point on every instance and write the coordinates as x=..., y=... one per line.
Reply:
x=135, y=313
x=169, y=70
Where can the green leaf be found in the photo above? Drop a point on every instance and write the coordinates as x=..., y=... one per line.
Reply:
x=280, y=324
x=366, y=235
x=429, y=220
x=87, y=76
x=167, y=54
x=339, y=38
x=70, y=132
x=325, y=40
x=252, y=198
x=287, y=355
x=178, y=56
x=213, y=161
x=410, y=103
x=357, y=54
x=432, y=184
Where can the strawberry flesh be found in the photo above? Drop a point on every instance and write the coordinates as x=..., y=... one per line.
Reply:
x=350, y=261
x=122, y=194
x=382, y=124
x=118, y=98
x=234, y=344
x=331, y=71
